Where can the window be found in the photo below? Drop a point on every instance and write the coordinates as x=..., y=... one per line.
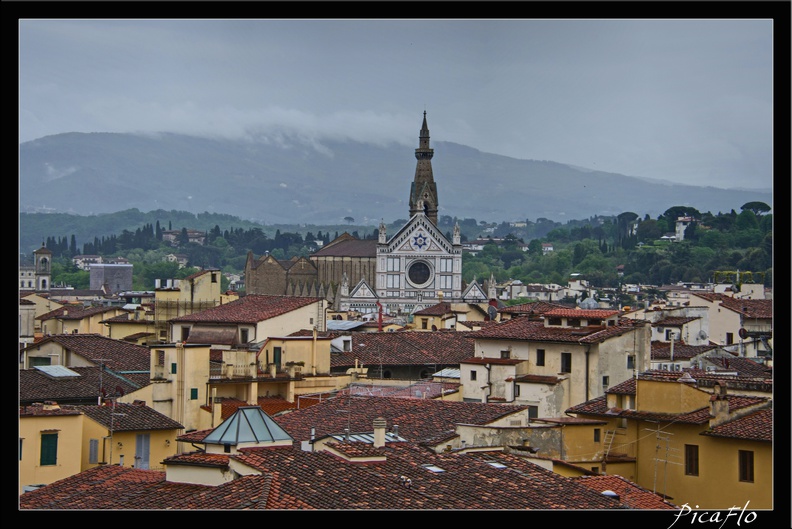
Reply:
x=394, y=264
x=746, y=465
x=419, y=273
x=540, y=354
x=505, y=354
x=244, y=338
x=516, y=390
x=554, y=321
x=573, y=322
x=173, y=368
x=185, y=332
x=597, y=432
x=20, y=448
x=424, y=323
x=93, y=451
x=392, y=281
x=49, y=449
x=533, y=412
x=605, y=382
x=193, y=393
x=630, y=361
x=691, y=460
x=595, y=470
x=446, y=265
x=214, y=278
x=566, y=362
x=444, y=281
x=622, y=422
x=729, y=338
x=472, y=374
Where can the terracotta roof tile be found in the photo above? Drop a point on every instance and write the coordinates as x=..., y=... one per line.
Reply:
x=630, y=494
x=528, y=329
x=417, y=419
x=35, y=386
x=756, y=426
x=406, y=348
x=293, y=479
x=118, y=355
x=249, y=309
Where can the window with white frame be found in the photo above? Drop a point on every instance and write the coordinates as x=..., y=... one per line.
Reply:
x=445, y=281
x=446, y=265
x=394, y=264
x=393, y=281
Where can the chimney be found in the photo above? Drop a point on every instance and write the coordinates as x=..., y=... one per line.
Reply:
x=719, y=405
x=379, y=432
x=672, y=346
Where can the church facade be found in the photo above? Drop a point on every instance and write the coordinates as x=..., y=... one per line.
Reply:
x=415, y=268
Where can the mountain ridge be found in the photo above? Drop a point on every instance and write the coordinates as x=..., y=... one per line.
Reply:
x=292, y=182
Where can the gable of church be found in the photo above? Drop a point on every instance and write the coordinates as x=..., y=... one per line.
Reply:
x=362, y=291
x=419, y=235
x=474, y=293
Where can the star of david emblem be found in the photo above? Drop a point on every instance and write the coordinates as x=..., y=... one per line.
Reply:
x=419, y=241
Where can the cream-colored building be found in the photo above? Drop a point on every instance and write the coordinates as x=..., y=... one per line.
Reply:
x=180, y=297
x=549, y=364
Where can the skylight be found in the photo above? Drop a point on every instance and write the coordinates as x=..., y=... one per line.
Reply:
x=496, y=464
x=433, y=468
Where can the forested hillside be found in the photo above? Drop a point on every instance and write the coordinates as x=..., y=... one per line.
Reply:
x=594, y=247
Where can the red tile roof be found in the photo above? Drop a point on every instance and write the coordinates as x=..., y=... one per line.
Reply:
x=347, y=246
x=117, y=355
x=528, y=329
x=630, y=494
x=581, y=313
x=443, y=347
x=249, y=309
x=417, y=419
x=294, y=479
x=35, y=386
x=73, y=312
x=536, y=307
x=750, y=308
x=756, y=426
x=662, y=350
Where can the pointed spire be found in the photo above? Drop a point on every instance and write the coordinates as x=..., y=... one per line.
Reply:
x=423, y=192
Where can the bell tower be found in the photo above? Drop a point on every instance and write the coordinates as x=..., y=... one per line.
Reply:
x=43, y=263
x=423, y=192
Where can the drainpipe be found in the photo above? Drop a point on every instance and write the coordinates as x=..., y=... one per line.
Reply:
x=588, y=349
x=489, y=384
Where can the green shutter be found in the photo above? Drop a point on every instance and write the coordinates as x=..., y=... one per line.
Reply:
x=49, y=449
x=193, y=393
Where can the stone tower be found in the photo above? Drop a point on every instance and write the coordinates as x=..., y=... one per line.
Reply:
x=423, y=192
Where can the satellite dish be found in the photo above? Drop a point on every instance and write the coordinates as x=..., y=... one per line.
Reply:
x=492, y=312
x=702, y=334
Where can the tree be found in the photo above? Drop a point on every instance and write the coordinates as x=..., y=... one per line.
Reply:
x=759, y=208
x=349, y=220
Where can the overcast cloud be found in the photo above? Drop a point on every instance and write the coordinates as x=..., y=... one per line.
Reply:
x=685, y=101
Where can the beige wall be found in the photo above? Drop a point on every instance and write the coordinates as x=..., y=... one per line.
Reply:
x=56, y=355
x=717, y=485
x=120, y=330
x=661, y=396
x=69, y=430
x=172, y=392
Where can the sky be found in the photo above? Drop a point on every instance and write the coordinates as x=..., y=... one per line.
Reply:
x=687, y=101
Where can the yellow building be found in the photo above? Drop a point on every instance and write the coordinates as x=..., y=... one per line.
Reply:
x=56, y=441
x=693, y=441
x=76, y=319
